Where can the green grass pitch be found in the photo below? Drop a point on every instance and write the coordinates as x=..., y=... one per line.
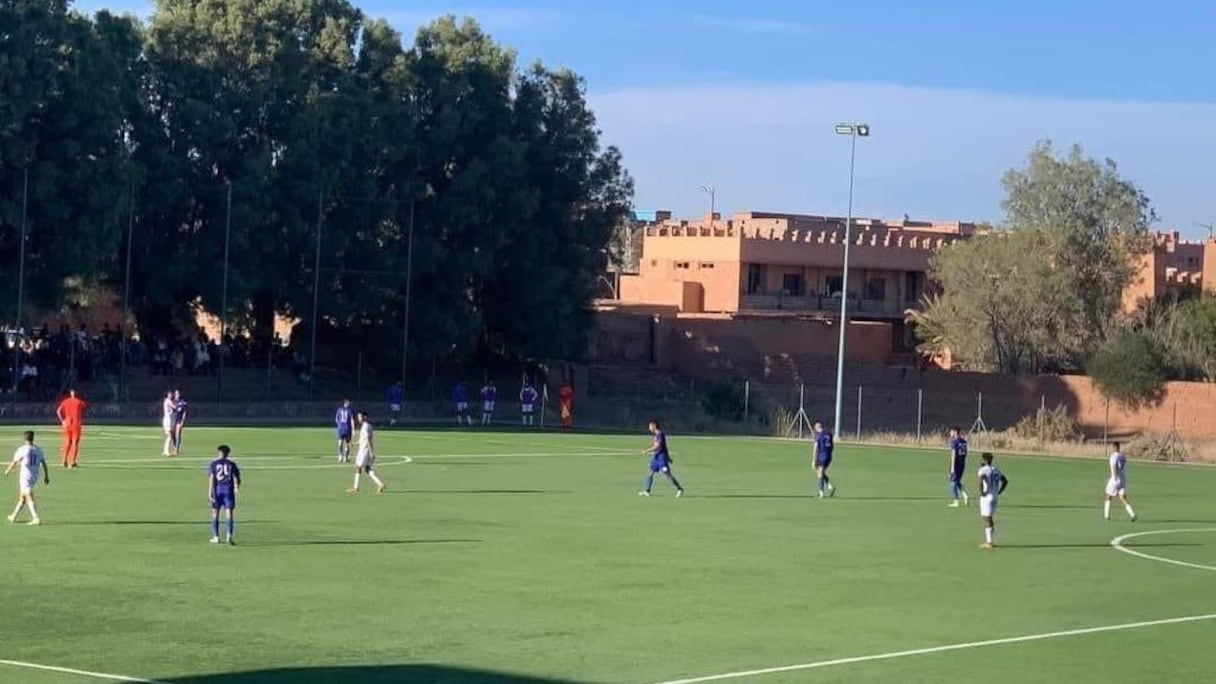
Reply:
x=528, y=558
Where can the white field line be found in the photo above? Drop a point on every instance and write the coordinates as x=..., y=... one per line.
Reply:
x=940, y=649
x=1117, y=543
x=81, y=673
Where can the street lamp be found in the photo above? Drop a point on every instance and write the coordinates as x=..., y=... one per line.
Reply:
x=713, y=207
x=854, y=131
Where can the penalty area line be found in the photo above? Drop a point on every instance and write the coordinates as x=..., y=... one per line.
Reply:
x=941, y=649
x=80, y=673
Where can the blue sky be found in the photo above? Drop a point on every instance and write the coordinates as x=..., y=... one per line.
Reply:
x=743, y=95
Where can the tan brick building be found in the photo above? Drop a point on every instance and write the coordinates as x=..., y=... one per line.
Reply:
x=765, y=263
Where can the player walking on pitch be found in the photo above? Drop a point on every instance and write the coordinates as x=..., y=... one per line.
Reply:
x=660, y=460
x=992, y=484
x=30, y=460
x=223, y=484
x=366, y=458
x=1116, y=486
x=958, y=466
x=825, y=444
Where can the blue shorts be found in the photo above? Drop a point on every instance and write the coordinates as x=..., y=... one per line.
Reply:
x=344, y=435
x=956, y=475
x=224, y=499
x=823, y=461
x=659, y=465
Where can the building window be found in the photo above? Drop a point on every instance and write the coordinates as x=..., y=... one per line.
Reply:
x=876, y=288
x=835, y=285
x=705, y=264
x=913, y=284
x=755, y=279
x=792, y=285
x=681, y=264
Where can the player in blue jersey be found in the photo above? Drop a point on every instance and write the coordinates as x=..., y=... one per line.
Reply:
x=460, y=401
x=660, y=460
x=958, y=466
x=223, y=483
x=179, y=421
x=825, y=444
x=527, y=402
x=489, y=401
x=344, y=422
x=992, y=484
x=396, y=402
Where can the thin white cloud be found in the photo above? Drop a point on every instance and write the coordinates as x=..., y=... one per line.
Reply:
x=750, y=24
x=933, y=153
x=490, y=18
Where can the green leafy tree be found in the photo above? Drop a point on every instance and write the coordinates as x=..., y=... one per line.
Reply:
x=66, y=91
x=1129, y=369
x=1043, y=292
x=1097, y=222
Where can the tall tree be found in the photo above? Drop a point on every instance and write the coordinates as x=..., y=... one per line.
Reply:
x=1098, y=223
x=1042, y=293
x=65, y=110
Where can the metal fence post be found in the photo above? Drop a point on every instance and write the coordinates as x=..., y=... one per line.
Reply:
x=859, y=412
x=920, y=408
x=747, y=397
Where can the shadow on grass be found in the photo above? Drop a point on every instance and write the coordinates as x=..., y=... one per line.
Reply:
x=1052, y=507
x=183, y=523
x=370, y=542
x=477, y=491
x=378, y=674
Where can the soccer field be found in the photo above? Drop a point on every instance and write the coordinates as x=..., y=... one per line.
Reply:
x=528, y=558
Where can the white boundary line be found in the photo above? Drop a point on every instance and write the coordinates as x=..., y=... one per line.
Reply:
x=942, y=649
x=192, y=464
x=82, y=673
x=1117, y=543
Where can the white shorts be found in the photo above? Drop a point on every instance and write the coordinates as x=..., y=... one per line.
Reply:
x=488, y=407
x=462, y=407
x=26, y=486
x=987, y=506
x=395, y=408
x=167, y=424
x=1116, y=487
x=365, y=459
x=527, y=408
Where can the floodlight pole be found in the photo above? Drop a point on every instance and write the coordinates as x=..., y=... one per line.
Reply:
x=25, y=201
x=853, y=131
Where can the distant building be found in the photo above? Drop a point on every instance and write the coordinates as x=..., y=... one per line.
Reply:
x=1174, y=267
x=767, y=262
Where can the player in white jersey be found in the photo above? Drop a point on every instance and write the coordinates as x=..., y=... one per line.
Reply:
x=166, y=422
x=29, y=459
x=992, y=484
x=1116, y=485
x=365, y=458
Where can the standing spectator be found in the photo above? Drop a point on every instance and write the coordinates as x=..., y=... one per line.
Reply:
x=566, y=403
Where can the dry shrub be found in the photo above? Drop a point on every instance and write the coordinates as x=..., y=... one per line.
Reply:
x=1052, y=425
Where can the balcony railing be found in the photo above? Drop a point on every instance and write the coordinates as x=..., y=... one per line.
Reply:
x=885, y=308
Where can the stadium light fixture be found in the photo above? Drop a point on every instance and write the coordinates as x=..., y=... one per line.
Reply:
x=854, y=131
